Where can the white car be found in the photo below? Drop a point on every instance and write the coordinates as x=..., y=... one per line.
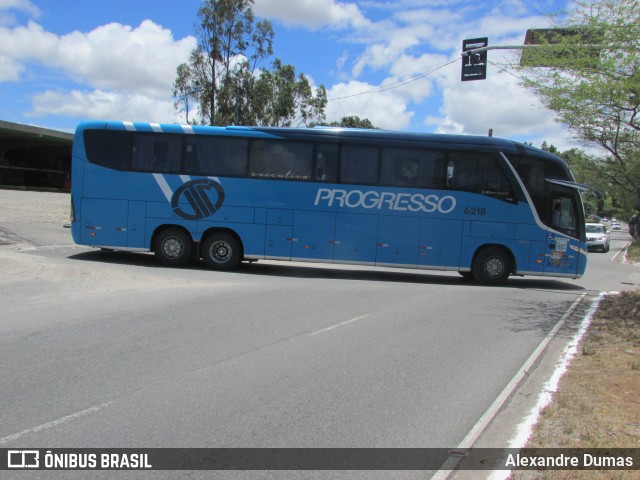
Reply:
x=598, y=237
x=615, y=226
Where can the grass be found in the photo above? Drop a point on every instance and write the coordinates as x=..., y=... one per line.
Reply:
x=597, y=404
x=633, y=254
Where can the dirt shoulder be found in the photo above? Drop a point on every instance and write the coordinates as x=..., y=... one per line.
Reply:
x=597, y=404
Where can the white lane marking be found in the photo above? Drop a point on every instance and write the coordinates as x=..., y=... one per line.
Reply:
x=338, y=325
x=449, y=465
x=55, y=423
x=623, y=249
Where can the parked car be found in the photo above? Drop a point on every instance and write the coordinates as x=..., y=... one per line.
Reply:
x=615, y=226
x=598, y=237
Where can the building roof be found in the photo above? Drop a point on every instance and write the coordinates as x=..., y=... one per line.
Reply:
x=19, y=134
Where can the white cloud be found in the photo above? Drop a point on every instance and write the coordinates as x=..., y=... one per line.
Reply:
x=382, y=55
x=24, y=6
x=498, y=103
x=313, y=14
x=386, y=110
x=10, y=70
x=113, y=56
x=129, y=72
x=100, y=104
x=416, y=40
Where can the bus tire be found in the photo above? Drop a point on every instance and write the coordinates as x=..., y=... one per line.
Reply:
x=491, y=266
x=172, y=247
x=221, y=251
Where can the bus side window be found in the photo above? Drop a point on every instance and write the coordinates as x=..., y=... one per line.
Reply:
x=435, y=170
x=191, y=158
x=478, y=173
x=462, y=172
x=283, y=160
x=326, y=163
x=562, y=214
x=159, y=153
x=359, y=165
x=212, y=155
x=109, y=148
x=402, y=167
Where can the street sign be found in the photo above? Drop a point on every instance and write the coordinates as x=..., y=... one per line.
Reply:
x=474, y=65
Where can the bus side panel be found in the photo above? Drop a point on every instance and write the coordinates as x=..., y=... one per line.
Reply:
x=398, y=241
x=77, y=181
x=505, y=234
x=278, y=242
x=252, y=238
x=137, y=225
x=313, y=235
x=354, y=238
x=236, y=215
x=440, y=241
x=530, y=234
x=105, y=183
x=104, y=222
x=161, y=210
x=561, y=258
x=493, y=230
x=278, y=234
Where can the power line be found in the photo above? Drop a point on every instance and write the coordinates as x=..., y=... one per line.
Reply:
x=397, y=84
x=505, y=70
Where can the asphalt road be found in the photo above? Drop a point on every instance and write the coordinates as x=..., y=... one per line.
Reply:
x=105, y=349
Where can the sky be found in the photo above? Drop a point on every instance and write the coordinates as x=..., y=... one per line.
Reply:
x=395, y=62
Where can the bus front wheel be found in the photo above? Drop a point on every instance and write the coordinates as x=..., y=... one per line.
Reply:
x=172, y=247
x=492, y=266
x=221, y=251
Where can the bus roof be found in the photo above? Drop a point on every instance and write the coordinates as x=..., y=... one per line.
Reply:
x=492, y=143
x=327, y=133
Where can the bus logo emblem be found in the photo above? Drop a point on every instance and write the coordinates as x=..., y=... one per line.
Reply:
x=197, y=194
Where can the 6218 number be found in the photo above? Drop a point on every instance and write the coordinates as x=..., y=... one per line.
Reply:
x=475, y=211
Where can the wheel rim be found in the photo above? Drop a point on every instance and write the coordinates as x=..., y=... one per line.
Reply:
x=172, y=247
x=494, y=266
x=220, y=252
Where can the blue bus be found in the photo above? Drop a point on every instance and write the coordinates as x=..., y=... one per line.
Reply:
x=485, y=207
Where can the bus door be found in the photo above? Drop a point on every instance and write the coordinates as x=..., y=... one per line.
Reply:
x=398, y=241
x=565, y=224
x=313, y=235
x=104, y=222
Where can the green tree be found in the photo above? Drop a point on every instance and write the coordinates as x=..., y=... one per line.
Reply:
x=593, y=83
x=280, y=98
x=353, y=121
x=184, y=92
x=224, y=79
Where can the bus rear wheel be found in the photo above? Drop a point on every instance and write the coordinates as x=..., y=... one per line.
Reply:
x=221, y=251
x=172, y=247
x=492, y=266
